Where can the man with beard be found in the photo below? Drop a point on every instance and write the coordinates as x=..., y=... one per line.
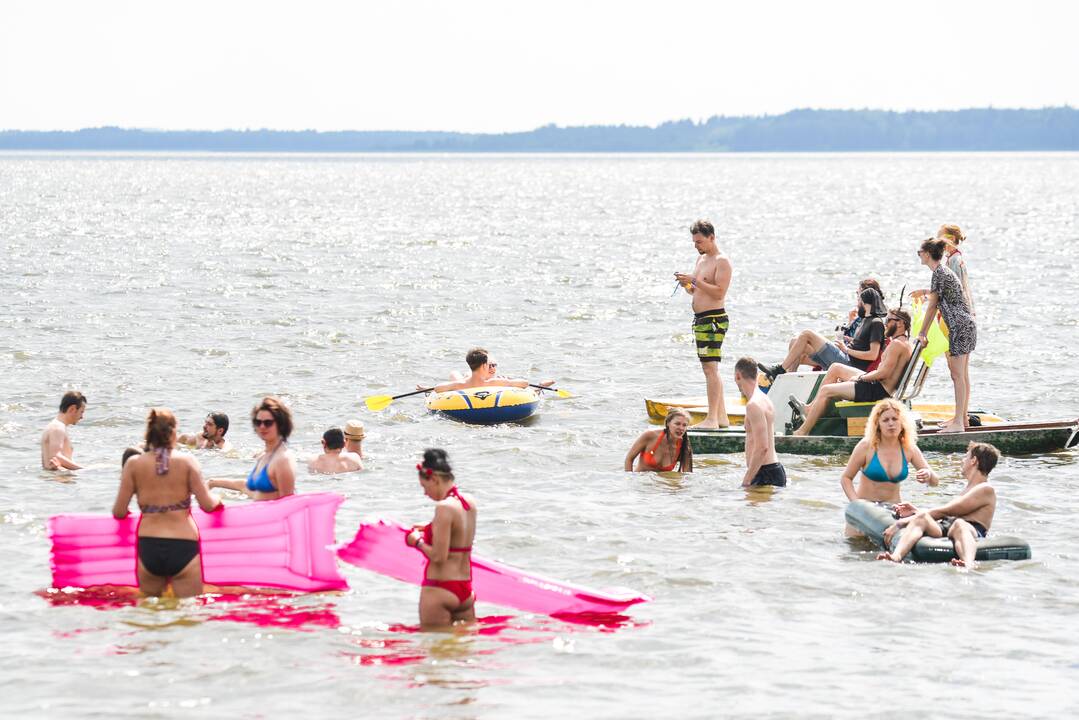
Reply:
x=212, y=436
x=843, y=382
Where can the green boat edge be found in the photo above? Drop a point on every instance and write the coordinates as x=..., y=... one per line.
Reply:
x=1010, y=439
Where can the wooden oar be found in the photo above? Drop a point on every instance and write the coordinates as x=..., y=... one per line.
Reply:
x=560, y=393
x=380, y=402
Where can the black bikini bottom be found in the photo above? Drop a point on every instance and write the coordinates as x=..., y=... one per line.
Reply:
x=166, y=557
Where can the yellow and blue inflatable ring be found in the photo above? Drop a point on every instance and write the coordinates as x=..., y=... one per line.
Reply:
x=488, y=405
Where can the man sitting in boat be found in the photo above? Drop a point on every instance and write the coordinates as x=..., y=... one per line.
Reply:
x=483, y=373
x=860, y=351
x=962, y=521
x=843, y=382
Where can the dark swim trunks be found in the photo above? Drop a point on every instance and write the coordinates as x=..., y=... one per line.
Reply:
x=946, y=525
x=709, y=330
x=771, y=474
x=870, y=391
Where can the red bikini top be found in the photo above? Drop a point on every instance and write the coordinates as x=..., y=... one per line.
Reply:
x=428, y=533
x=649, y=456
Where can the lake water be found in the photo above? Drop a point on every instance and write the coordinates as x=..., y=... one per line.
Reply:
x=204, y=282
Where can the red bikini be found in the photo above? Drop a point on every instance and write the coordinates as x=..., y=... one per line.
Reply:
x=649, y=456
x=461, y=588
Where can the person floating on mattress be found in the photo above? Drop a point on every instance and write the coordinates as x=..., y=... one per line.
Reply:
x=483, y=373
x=168, y=540
x=962, y=521
x=843, y=382
x=883, y=457
x=663, y=449
x=446, y=543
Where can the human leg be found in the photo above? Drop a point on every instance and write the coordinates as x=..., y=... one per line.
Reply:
x=805, y=344
x=188, y=582
x=717, y=407
x=957, y=367
x=965, y=541
x=919, y=527
x=827, y=393
x=149, y=583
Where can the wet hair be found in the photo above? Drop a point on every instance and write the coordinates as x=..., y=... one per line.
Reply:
x=953, y=233
x=870, y=283
x=934, y=247
x=902, y=315
x=908, y=435
x=872, y=297
x=437, y=461
x=72, y=397
x=160, y=423
x=747, y=368
x=476, y=358
x=128, y=454
x=685, y=456
x=986, y=455
x=703, y=227
x=281, y=414
x=335, y=438
x=221, y=420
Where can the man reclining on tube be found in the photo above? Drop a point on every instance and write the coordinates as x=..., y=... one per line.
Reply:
x=843, y=382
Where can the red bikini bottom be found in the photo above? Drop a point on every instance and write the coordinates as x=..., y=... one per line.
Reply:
x=461, y=588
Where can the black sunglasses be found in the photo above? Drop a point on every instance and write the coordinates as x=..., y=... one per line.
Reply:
x=264, y=423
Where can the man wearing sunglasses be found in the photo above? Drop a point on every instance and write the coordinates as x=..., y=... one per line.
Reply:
x=483, y=372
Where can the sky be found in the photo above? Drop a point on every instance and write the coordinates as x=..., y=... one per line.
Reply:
x=510, y=65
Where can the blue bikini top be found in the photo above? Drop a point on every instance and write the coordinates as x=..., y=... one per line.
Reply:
x=260, y=481
x=875, y=471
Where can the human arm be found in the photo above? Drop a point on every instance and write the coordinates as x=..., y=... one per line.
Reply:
x=930, y=316
x=187, y=439
x=636, y=449
x=888, y=362
x=53, y=450
x=756, y=442
x=439, y=548
x=197, y=486
x=966, y=503
x=60, y=461
x=870, y=334
x=444, y=387
x=124, y=493
x=919, y=294
x=237, y=485
x=854, y=466
x=720, y=281
x=923, y=473
x=688, y=282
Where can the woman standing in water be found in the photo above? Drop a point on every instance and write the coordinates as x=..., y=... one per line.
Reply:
x=446, y=543
x=663, y=449
x=946, y=295
x=884, y=455
x=168, y=540
x=274, y=474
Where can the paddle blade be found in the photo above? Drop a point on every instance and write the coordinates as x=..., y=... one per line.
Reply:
x=564, y=394
x=377, y=402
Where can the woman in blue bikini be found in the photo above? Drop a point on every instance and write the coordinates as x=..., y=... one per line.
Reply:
x=884, y=455
x=274, y=474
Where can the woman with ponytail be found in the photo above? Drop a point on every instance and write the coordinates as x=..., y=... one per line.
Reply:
x=446, y=596
x=163, y=483
x=663, y=449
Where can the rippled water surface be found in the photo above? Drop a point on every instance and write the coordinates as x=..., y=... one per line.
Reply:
x=204, y=282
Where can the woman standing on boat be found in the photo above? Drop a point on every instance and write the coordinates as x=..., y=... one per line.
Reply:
x=446, y=543
x=664, y=449
x=274, y=474
x=884, y=455
x=946, y=295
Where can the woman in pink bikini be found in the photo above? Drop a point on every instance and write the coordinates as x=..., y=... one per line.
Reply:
x=446, y=542
x=663, y=449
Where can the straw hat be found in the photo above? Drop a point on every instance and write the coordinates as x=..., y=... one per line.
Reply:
x=354, y=430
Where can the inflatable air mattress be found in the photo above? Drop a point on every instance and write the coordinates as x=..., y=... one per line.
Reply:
x=488, y=405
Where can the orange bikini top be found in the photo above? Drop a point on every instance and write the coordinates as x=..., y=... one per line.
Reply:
x=649, y=456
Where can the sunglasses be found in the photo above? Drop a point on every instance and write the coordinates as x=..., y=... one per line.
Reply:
x=263, y=423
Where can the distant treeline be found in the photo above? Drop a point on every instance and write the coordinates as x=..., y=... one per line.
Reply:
x=795, y=131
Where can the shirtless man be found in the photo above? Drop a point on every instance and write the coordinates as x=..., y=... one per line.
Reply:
x=56, y=450
x=354, y=436
x=843, y=382
x=962, y=521
x=483, y=374
x=212, y=436
x=762, y=465
x=334, y=458
x=708, y=286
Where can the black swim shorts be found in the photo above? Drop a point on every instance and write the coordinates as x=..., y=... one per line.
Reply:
x=771, y=474
x=870, y=391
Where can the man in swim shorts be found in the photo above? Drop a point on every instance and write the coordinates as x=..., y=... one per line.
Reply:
x=762, y=465
x=962, y=521
x=708, y=287
x=483, y=373
x=212, y=436
x=843, y=382
x=354, y=435
x=56, y=449
x=334, y=457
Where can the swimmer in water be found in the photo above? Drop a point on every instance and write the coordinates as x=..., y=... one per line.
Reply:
x=663, y=449
x=212, y=436
x=274, y=474
x=163, y=483
x=762, y=463
x=354, y=435
x=446, y=543
x=882, y=457
x=56, y=449
x=334, y=459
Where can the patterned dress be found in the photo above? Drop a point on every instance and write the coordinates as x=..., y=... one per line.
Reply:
x=962, y=332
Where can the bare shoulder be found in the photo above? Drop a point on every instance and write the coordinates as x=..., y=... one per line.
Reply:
x=648, y=435
x=860, y=450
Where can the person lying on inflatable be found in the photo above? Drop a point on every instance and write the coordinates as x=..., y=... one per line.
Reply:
x=962, y=521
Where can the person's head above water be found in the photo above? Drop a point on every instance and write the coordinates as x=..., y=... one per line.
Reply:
x=333, y=439
x=476, y=358
x=160, y=429
x=72, y=406
x=677, y=422
x=890, y=419
x=435, y=466
x=128, y=454
x=215, y=426
x=270, y=413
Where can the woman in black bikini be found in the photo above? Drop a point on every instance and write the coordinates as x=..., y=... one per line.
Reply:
x=168, y=541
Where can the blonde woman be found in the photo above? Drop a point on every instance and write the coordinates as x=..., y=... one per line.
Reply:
x=664, y=449
x=883, y=456
x=953, y=260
